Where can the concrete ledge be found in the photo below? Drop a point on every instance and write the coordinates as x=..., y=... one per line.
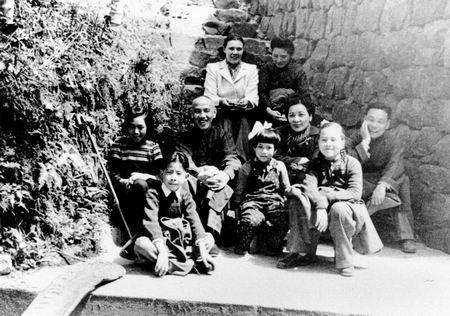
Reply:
x=394, y=284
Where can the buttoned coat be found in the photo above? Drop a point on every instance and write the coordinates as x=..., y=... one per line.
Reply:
x=219, y=84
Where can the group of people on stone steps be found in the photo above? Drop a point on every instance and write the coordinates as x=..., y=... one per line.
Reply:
x=233, y=180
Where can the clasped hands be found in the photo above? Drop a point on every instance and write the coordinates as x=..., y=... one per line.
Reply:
x=212, y=177
x=241, y=104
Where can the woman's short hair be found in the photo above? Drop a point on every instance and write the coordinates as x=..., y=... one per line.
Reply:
x=282, y=43
x=266, y=135
x=229, y=38
x=295, y=99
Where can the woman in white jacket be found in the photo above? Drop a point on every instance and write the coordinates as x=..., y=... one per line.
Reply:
x=233, y=86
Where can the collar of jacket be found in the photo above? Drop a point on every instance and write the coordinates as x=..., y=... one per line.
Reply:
x=225, y=72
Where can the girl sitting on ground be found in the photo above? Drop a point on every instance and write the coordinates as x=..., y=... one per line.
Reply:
x=334, y=187
x=259, y=196
x=172, y=236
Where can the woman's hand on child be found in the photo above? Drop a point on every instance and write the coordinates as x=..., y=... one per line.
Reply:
x=276, y=115
x=321, y=220
x=378, y=195
x=162, y=263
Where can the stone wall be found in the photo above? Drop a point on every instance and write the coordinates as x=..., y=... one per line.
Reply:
x=394, y=51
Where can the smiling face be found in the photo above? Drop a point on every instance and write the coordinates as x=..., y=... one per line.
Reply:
x=298, y=117
x=174, y=176
x=280, y=57
x=203, y=113
x=264, y=151
x=377, y=122
x=234, y=51
x=137, y=129
x=331, y=142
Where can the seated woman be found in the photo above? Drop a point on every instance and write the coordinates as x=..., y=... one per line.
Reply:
x=133, y=161
x=233, y=87
x=333, y=185
x=280, y=79
x=299, y=144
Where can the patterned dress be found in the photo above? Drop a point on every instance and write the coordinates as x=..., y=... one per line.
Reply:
x=259, y=197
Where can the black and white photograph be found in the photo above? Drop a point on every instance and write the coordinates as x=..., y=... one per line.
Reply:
x=224, y=157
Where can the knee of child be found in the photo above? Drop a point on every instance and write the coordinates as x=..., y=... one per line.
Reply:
x=339, y=210
x=142, y=243
x=140, y=185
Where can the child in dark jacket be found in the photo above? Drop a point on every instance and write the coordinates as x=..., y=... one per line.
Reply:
x=172, y=235
x=259, y=196
x=133, y=161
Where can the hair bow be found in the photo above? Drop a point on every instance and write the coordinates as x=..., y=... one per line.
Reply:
x=258, y=127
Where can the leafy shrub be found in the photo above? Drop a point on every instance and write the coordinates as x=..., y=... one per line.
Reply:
x=64, y=61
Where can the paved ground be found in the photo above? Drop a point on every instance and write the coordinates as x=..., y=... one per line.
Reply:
x=393, y=284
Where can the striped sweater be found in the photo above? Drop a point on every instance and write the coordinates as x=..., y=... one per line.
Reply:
x=127, y=157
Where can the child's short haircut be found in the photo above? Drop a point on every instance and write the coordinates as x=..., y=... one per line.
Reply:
x=176, y=156
x=380, y=106
x=266, y=135
x=282, y=43
x=332, y=125
x=295, y=99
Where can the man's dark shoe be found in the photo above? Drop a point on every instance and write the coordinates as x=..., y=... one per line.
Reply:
x=408, y=246
x=254, y=246
x=214, y=252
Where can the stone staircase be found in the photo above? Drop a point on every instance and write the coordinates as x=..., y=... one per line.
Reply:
x=194, y=40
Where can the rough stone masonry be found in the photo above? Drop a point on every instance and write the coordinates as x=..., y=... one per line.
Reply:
x=395, y=51
x=354, y=52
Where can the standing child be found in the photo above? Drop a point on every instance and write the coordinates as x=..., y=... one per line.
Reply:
x=259, y=195
x=334, y=186
x=172, y=234
x=133, y=160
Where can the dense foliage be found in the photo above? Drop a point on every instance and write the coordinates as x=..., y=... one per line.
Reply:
x=64, y=61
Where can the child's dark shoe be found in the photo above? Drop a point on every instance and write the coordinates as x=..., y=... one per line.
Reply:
x=290, y=261
x=240, y=251
x=204, y=268
x=296, y=260
x=127, y=254
x=214, y=252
